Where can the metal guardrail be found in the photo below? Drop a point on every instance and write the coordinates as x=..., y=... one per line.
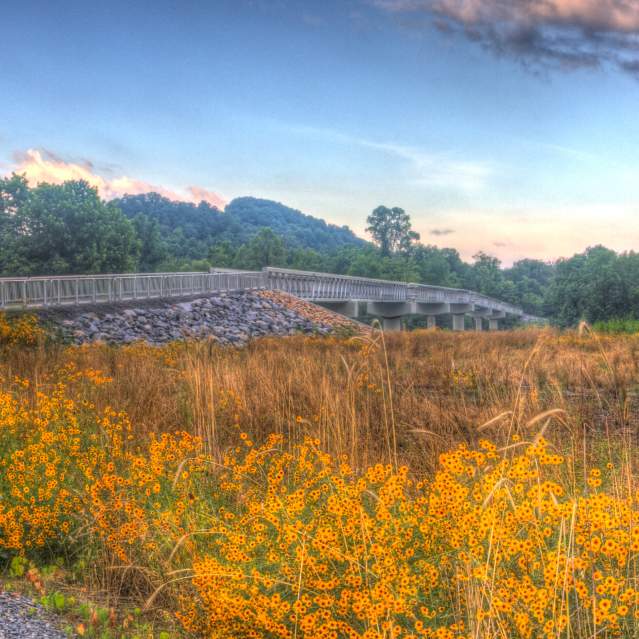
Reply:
x=327, y=286
x=331, y=287
x=26, y=292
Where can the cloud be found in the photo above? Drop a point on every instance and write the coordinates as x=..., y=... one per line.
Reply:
x=565, y=34
x=425, y=168
x=437, y=170
x=540, y=231
x=198, y=194
x=440, y=232
x=40, y=165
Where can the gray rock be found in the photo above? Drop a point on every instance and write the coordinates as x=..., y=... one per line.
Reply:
x=228, y=318
x=20, y=618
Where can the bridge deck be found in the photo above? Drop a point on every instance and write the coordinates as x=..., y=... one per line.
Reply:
x=52, y=291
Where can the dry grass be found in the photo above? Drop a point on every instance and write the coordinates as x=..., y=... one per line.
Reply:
x=386, y=398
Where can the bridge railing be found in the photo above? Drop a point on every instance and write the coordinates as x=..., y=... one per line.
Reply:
x=28, y=292
x=327, y=286
x=93, y=289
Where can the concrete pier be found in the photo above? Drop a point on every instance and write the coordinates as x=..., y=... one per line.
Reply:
x=392, y=323
x=459, y=322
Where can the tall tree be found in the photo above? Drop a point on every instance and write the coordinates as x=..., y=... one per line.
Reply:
x=531, y=279
x=265, y=249
x=67, y=228
x=14, y=194
x=391, y=229
x=153, y=249
x=589, y=286
x=486, y=276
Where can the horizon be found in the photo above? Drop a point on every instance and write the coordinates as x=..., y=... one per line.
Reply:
x=504, y=130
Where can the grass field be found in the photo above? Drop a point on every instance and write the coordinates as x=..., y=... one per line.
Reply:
x=423, y=484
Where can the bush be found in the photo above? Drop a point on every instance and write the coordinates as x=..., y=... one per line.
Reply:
x=22, y=330
x=618, y=326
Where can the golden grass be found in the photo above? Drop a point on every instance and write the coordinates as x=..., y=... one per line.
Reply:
x=403, y=397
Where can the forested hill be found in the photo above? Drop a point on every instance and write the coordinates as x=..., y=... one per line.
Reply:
x=298, y=229
x=190, y=230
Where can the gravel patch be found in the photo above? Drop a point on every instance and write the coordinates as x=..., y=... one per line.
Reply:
x=21, y=618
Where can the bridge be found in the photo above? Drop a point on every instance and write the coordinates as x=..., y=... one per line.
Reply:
x=349, y=295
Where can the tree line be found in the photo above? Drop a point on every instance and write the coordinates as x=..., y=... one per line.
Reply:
x=68, y=228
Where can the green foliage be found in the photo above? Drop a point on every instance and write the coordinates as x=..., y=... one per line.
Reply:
x=248, y=215
x=18, y=566
x=265, y=249
x=56, y=601
x=617, y=326
x=153, y=250
x=531, y=279
x=57, y=229
x=596, y=285
x=188, y=231
x=391, y=230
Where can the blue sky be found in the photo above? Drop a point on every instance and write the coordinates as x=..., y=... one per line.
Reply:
x=335, y=107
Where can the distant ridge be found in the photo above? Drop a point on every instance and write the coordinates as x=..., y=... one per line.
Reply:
x=195, y=227
x=297, y=228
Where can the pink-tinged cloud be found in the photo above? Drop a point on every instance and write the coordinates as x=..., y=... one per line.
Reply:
x=556, y=33
x=44, y=166
x=198, y=194
x=600, y=15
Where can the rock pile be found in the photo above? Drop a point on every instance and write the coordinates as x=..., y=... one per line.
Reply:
x=314, y=313
x=230, y=318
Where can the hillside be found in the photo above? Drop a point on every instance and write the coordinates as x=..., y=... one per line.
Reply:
x=188, y=230
x=298, y=229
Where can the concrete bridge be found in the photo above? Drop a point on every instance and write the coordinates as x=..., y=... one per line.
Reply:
x=392, y=301
x=351, y=296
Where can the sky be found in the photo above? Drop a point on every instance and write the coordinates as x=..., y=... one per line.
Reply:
x=508, y=127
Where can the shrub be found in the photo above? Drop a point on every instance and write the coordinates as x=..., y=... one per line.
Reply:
x=22, y=330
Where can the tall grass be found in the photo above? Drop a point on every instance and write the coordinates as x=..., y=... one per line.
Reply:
x=423, y=482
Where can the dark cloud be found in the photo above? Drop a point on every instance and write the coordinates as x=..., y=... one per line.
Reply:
x=439, y=232
x=500, y=244
x=561, y=34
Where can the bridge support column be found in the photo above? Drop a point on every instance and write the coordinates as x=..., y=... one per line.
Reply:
x=392, y=323
x=431, y=321
x=493, y=324
x=391, y=313
x=478, y=324
x=458, y=322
